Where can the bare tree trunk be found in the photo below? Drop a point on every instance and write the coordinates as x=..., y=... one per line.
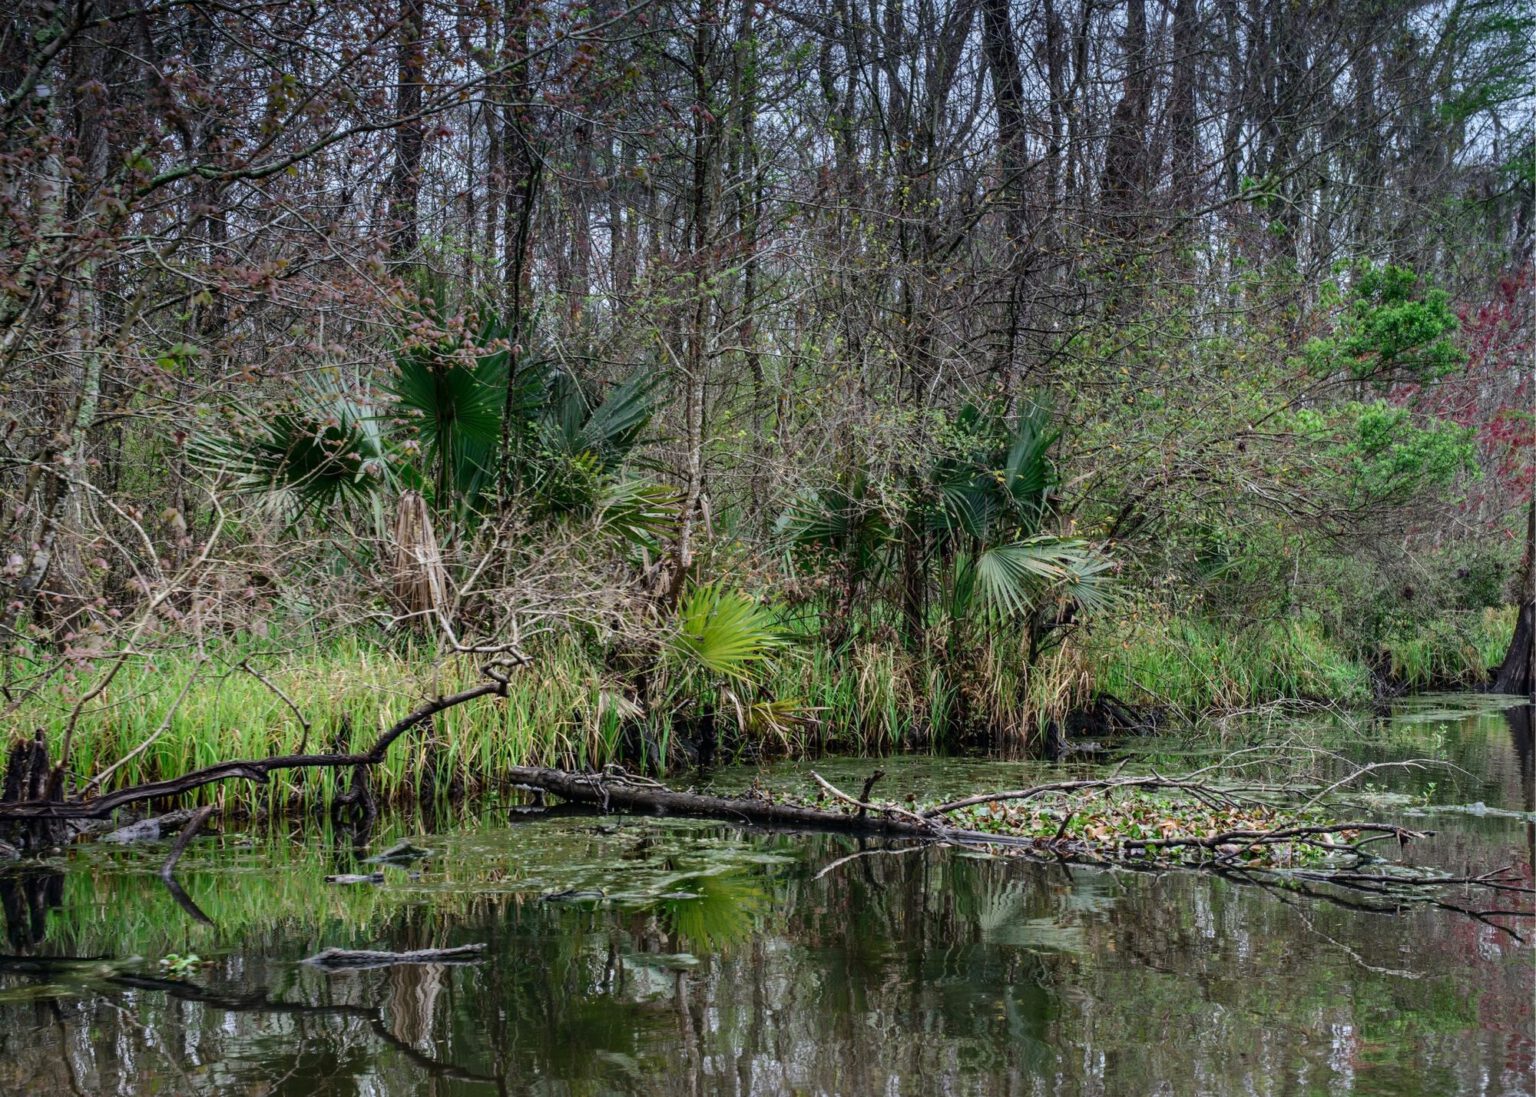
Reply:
x=405, y=176
x=1002, y=52
x=697, y=351
x=1517, y=673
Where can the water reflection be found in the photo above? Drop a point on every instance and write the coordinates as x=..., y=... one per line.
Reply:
x=718, y=962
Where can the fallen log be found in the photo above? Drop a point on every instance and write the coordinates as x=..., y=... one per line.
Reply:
x=150, y=830
x=616, y=790
x=342, y=959
x=1238, y=851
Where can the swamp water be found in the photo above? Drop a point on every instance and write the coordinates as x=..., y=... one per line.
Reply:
x=652, y=956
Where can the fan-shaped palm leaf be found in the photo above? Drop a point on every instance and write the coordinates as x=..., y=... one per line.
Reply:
x=454, y=398
x=636, y=510
x=319, y=452
x=614, y=426
x=725, y=633
x=1009, y=581
x=844, y=520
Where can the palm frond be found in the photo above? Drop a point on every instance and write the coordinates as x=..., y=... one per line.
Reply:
x=843, y=520
x=1011, y=580
x=614, y=426
x=318, y=452
x=453, y=397
x=724, y=633
x=636, y=510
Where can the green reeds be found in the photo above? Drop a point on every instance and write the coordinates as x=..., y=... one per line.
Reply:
x=168, y=713
x=1460, y=649
x=1194, y=664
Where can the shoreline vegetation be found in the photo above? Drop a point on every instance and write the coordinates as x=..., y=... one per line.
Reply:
x=929, y=391
x=178, y=710
x=1282, y=833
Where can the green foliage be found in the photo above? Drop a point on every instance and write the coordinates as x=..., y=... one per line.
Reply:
x=607, y=431
x=1380, y=455
x=1391, y=329
x=1448, y=651
x=847, y=522
x=1007, y=582
x=725, y=634
x=1192, y=663
x=323, y=451
x=635, y=510
x=451, y=396
x=442, y=430
x=984, y=502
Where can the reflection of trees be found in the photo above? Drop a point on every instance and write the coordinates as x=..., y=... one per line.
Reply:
x=921, y=973
x=1519, y=719
x=26, y=897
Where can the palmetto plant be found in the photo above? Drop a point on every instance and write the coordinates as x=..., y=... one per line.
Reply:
x=721, y=649
x=451, y=397
x=458, y=421
x=979, y=516
x=321, y=451
x=724, y=634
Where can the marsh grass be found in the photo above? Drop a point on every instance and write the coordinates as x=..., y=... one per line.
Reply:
x=174, y=712
x=1458, y=650
x=1193, y=664
x=178, y=712
x=1198, y=665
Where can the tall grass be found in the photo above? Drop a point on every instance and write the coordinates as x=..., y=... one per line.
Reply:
x=175, y=712
x=1457, y=650
x=178, y=712
x=1195, y=664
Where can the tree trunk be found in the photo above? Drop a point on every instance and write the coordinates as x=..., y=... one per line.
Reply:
x=1517, y=673
x=405, y=176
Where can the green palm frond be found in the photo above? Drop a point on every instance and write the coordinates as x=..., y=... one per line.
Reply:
x=1089, y=581
x=636, y=510
x=319, y=452
x=843, y=520
x=608, y=431
x=968, y=502
x=614, y=426
x=1027, y=474
x=996, y=481
x=1010, y=581
x=724, y=633
x=453, y=397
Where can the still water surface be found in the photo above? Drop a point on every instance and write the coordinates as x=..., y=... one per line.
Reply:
x=695, y=958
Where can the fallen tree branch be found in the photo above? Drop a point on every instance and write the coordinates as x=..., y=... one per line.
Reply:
x=1153, y=782
x=614, y=790
x=337, y=959
x=194, y=825
x=864, y=806
x=256, y=770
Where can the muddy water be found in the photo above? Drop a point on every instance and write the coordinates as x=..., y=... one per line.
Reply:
x=629, y=955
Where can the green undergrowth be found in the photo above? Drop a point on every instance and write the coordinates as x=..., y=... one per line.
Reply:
x=179, y=710
x=1195, y=665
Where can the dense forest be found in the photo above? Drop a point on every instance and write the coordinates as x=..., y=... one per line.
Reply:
x=767, y=375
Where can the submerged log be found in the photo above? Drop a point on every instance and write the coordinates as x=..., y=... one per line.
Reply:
x=151, y=829
x=616, y=790
x=342, y=959
x=1351, y=869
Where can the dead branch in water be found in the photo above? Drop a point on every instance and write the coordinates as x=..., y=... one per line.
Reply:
x=1349, y=865
x=342, y=959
